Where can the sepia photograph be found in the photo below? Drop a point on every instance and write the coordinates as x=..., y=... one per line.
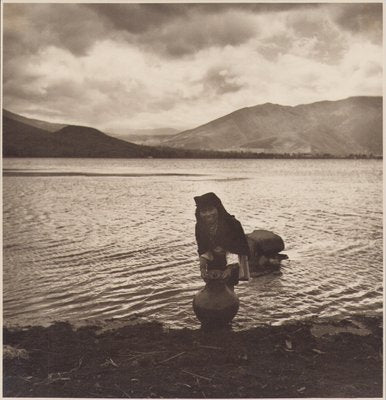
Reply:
x=192, y=200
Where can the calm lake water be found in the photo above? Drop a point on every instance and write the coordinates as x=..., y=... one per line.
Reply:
x=97, y=239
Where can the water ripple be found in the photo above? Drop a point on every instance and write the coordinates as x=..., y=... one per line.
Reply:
x=99, y=239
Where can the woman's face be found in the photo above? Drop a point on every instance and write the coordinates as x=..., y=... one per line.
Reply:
x=209, y=215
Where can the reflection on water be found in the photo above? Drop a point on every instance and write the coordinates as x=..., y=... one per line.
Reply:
x=98, y=239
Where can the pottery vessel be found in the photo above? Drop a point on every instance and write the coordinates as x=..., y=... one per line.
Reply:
x=215, y=304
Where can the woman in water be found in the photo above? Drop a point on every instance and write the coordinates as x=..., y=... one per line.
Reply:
x=219, y=235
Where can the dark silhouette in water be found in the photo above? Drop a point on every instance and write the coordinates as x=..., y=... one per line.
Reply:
x=218, y=233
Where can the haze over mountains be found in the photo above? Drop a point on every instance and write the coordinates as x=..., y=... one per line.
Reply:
x=339, y=128
x=149, y=137
x=350, y=126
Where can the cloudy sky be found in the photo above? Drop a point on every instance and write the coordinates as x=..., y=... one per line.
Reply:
x=142, y=66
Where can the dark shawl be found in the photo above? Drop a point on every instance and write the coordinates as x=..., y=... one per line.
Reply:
x=230, y=234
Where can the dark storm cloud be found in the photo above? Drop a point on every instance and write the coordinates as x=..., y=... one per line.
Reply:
x=366, y=18
x=361, y=19
x=172, y=30
x=177, y=30
x=31, y=27
x=186, y=37
x=140, y=18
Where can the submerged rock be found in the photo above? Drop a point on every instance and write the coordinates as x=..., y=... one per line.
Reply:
x=264, y=247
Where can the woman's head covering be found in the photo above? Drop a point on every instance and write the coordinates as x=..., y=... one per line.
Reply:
x=209, y=200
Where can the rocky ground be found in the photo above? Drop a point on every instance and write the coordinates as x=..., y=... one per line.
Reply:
x=304, y=359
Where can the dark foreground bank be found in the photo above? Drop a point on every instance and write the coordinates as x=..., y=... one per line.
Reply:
x=333, y=359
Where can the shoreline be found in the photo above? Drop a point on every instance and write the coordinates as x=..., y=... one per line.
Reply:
x=330, y=358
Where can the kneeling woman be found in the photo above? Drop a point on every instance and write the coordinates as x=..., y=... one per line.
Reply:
x=219, y=235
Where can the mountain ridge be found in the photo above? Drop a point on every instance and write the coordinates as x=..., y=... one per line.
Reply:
x=341, y=127
x=37, y=123
x=22, y=140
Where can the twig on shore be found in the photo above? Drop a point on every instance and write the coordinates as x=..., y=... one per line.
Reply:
x=210, y=347
x=184, y=384
x=150, y=352
x=197, y=376
x=171, y=358
x=109, y=361
x=25, y=378
x=60, y=376
x=318, y=351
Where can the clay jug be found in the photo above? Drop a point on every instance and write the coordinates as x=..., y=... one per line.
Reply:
x=215, y=304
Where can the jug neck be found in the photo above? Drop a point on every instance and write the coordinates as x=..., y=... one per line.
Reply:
x=216, y=284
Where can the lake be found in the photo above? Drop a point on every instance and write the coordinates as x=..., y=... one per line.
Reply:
x=90, y=240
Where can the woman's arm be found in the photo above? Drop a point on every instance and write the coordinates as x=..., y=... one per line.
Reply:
x=244, y=273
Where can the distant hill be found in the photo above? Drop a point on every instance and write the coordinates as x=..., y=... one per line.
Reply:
x=47, y=126
x=350, y=126
x=22, y=140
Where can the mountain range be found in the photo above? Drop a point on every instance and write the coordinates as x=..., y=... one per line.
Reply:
x=339, y=128
x=343, y=127
x=20, y=139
